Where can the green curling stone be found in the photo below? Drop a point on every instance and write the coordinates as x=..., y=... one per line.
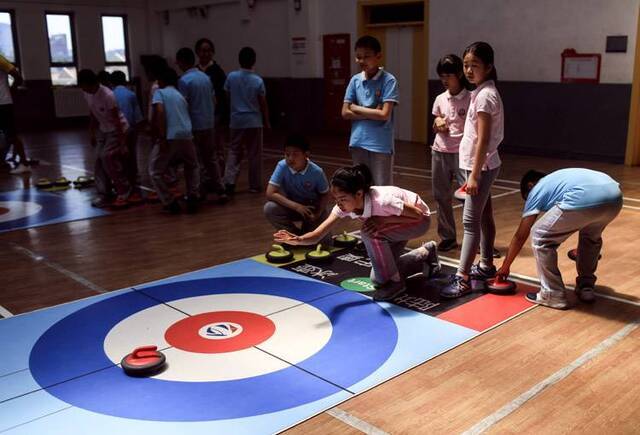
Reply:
x=319, y=255
x=345, y=240
x=279, y=255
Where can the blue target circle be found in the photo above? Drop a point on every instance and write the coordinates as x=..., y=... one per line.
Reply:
x=52, y=207
x=69, y=360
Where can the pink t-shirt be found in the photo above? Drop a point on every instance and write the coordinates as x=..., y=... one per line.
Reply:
x=484, y=99
x=101, y=105
x=453, y=108
x=385, y=201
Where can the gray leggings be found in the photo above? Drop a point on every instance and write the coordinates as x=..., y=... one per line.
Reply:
x=477, y=220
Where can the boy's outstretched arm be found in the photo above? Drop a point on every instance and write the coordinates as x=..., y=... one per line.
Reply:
x=521, y=236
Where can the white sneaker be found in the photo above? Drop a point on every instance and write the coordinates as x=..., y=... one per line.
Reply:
x=586, y=294
x=547, y=300
x=20, y=169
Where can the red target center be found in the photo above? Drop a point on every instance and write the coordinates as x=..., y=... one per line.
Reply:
x=220, y=331
x=3, y=211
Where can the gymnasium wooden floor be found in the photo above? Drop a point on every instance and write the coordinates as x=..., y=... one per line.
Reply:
x=546, y=371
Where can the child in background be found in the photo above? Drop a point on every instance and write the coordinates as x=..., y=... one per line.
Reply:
x=368, y=103
x=7, y=119
x=391, y=217
x=197, y=89
x=130, y=108
x=483, y=134
x=249, y=114
x=172, y=140
x=108, y=129
x=450, y=112
x=207, y=64
x=104, y=78
x=298, y=190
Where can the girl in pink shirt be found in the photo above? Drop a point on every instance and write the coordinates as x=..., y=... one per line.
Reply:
x=391, y=216
x=450, y=112
x=483, y=133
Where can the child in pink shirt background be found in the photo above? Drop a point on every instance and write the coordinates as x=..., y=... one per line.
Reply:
x=108, y=135
x=450, y=112
x=391, y=216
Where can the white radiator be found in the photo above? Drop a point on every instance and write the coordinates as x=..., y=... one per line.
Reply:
x=69, y=102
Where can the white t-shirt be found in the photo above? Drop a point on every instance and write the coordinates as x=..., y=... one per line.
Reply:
x=5, y=90
x=485, y=98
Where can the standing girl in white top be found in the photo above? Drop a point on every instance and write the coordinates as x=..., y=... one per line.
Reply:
x=450, y=112
x=483, y=133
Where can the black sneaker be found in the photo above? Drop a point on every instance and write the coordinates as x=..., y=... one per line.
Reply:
x=173, y=208
x=192, y=204
x=479, y=273
x=432, y=266
x=230, y=189
x=447, y=245
x=457, y=287
x=389, y=291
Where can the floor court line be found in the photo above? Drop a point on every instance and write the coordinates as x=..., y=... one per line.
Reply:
x=5, y=313
x=36, y=419
x=556, y=377
x=58, y=268
x=355, y=422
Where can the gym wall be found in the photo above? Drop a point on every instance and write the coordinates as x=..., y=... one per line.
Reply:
x=35, y=106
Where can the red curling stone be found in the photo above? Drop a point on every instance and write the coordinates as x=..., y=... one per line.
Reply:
x=461, y=193
x=499, y=285
x=143, y=361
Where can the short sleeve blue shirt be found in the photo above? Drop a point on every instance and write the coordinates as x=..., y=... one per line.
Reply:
x=176, y=112
x=245, y=87
x=196, y=87
x=128, y=104
x=375, y=136
x=304, y=187
x=572, y=189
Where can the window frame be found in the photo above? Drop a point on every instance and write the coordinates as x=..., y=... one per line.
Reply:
x=74, y=45
x=14, y=35
x=125, y=28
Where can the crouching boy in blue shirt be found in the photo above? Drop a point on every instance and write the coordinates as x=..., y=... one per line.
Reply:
x=298, y=190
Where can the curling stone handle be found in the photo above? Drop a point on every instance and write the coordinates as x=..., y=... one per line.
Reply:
x=144, y=352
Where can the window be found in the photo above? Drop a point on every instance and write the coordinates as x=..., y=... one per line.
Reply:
x=8, y=46
x=114, y=38
x=62, y=53
x=8, y=42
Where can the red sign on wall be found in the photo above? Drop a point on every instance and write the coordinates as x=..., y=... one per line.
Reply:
x=580, y=67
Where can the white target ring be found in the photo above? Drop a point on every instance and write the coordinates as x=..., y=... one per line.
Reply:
x=150, y=326
x=14, y=210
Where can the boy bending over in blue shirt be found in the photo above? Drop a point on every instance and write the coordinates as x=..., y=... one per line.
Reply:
x=569, y=200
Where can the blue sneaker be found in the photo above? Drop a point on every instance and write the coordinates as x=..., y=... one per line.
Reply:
x=457, y=287
x=479, y=273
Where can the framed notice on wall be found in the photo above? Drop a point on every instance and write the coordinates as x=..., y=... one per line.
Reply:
x=580, y=67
